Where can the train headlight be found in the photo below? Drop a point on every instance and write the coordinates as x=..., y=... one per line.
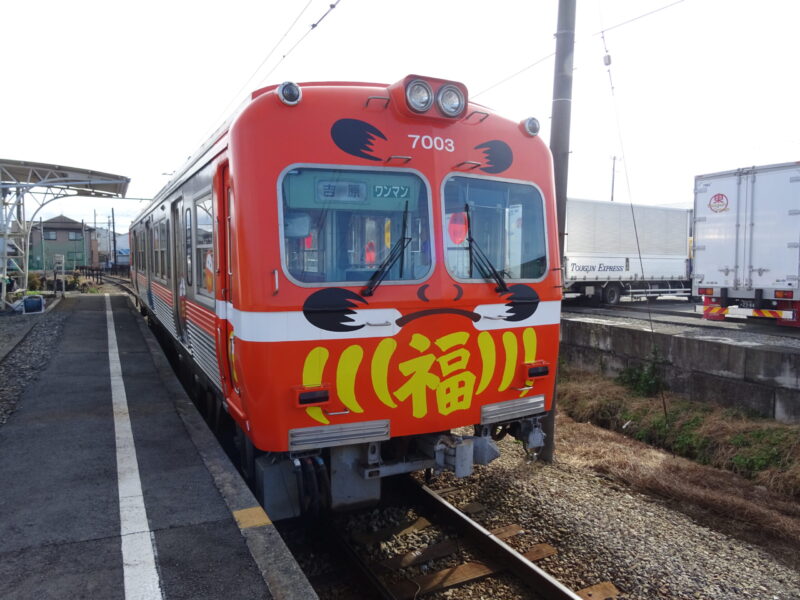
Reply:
x=531, y=126
x=450, y=100
x=419, y=96
x=289, y=93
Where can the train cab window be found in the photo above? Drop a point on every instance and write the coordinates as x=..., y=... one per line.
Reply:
x=204, y=246
x=341, y=226
x=499, y=221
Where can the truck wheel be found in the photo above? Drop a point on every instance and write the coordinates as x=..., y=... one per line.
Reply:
x=612, y=293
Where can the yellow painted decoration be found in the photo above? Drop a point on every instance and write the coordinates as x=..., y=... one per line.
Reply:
x=380, y=370
x=231, y=360
x=529, y=344
x=510, y=346
x=488, y=357
x=346, y=372
x=419, y=342
x=420, y=379
x=314, y=367
x=315, y=412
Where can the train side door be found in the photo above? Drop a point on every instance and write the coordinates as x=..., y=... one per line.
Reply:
x=179, y=269
x=227, y=346
x=148, y=260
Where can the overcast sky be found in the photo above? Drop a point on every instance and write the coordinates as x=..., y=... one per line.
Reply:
x=134, y=88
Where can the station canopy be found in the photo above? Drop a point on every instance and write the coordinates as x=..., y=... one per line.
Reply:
x=43, y=183
x=16, y=174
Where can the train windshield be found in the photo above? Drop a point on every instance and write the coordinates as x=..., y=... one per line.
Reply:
x=493, y=228
x=343, y=225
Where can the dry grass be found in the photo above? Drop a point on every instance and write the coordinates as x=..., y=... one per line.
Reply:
x=762, y=450
x=762, y=507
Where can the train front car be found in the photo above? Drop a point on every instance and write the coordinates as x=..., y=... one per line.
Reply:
x=393, y=275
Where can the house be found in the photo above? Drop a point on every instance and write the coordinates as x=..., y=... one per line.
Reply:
x=61, y=235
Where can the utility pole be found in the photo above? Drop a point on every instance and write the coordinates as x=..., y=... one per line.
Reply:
x=114, y=234
x=559, y=146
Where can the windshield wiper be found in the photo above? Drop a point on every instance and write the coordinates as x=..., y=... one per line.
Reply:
x=397, y=252
x=478, y=257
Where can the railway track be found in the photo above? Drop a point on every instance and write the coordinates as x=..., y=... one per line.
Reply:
x=676, y=313
x=125, y=284
x=489, y=553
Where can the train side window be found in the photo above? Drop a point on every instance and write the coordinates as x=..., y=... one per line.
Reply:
x=156, y=250
x=204, y=246
x=188, y=245
x=228, y=231
x=165, y=249
x=150, y=242
x=142, y=248
x=134, y=260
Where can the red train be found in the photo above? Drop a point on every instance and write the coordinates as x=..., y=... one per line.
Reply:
x=353, y=270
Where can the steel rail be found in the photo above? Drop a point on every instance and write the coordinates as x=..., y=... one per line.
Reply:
x=665, y=316
x=540, y=582
x=338, y=537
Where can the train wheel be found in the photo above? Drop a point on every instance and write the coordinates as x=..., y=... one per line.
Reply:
x=612, y=294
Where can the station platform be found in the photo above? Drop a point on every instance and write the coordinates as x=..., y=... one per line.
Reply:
x=111, y=485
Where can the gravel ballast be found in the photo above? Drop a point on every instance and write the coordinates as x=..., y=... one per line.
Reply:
x=25, y=360
x=605, y=532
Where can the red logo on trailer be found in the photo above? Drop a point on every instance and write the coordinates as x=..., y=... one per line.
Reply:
x=718, y=203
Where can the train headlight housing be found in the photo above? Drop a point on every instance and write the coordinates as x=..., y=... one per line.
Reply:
x=531, y=126
x=450, y=100
x=289, y=93
x=419, y=96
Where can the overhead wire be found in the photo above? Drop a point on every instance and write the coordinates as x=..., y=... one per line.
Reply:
x=620, y=139
x=269, y=55
x=311, y=28
x=552, y=54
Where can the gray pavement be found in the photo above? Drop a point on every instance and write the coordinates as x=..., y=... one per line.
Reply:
x=59, y=496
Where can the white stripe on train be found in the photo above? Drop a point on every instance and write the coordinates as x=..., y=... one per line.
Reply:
x=292, y=326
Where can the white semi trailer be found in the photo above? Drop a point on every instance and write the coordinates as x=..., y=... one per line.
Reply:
x=615, y=249
x=747, y=243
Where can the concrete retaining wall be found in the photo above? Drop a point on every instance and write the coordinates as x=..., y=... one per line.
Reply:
x=763, y=380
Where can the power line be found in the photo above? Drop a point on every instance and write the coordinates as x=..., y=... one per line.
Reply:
x=652, y=12
x=311, y=28
x=520, y=72
x=263, y=62
x=544, y=58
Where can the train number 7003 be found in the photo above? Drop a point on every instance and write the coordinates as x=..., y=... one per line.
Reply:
x=428, y=142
